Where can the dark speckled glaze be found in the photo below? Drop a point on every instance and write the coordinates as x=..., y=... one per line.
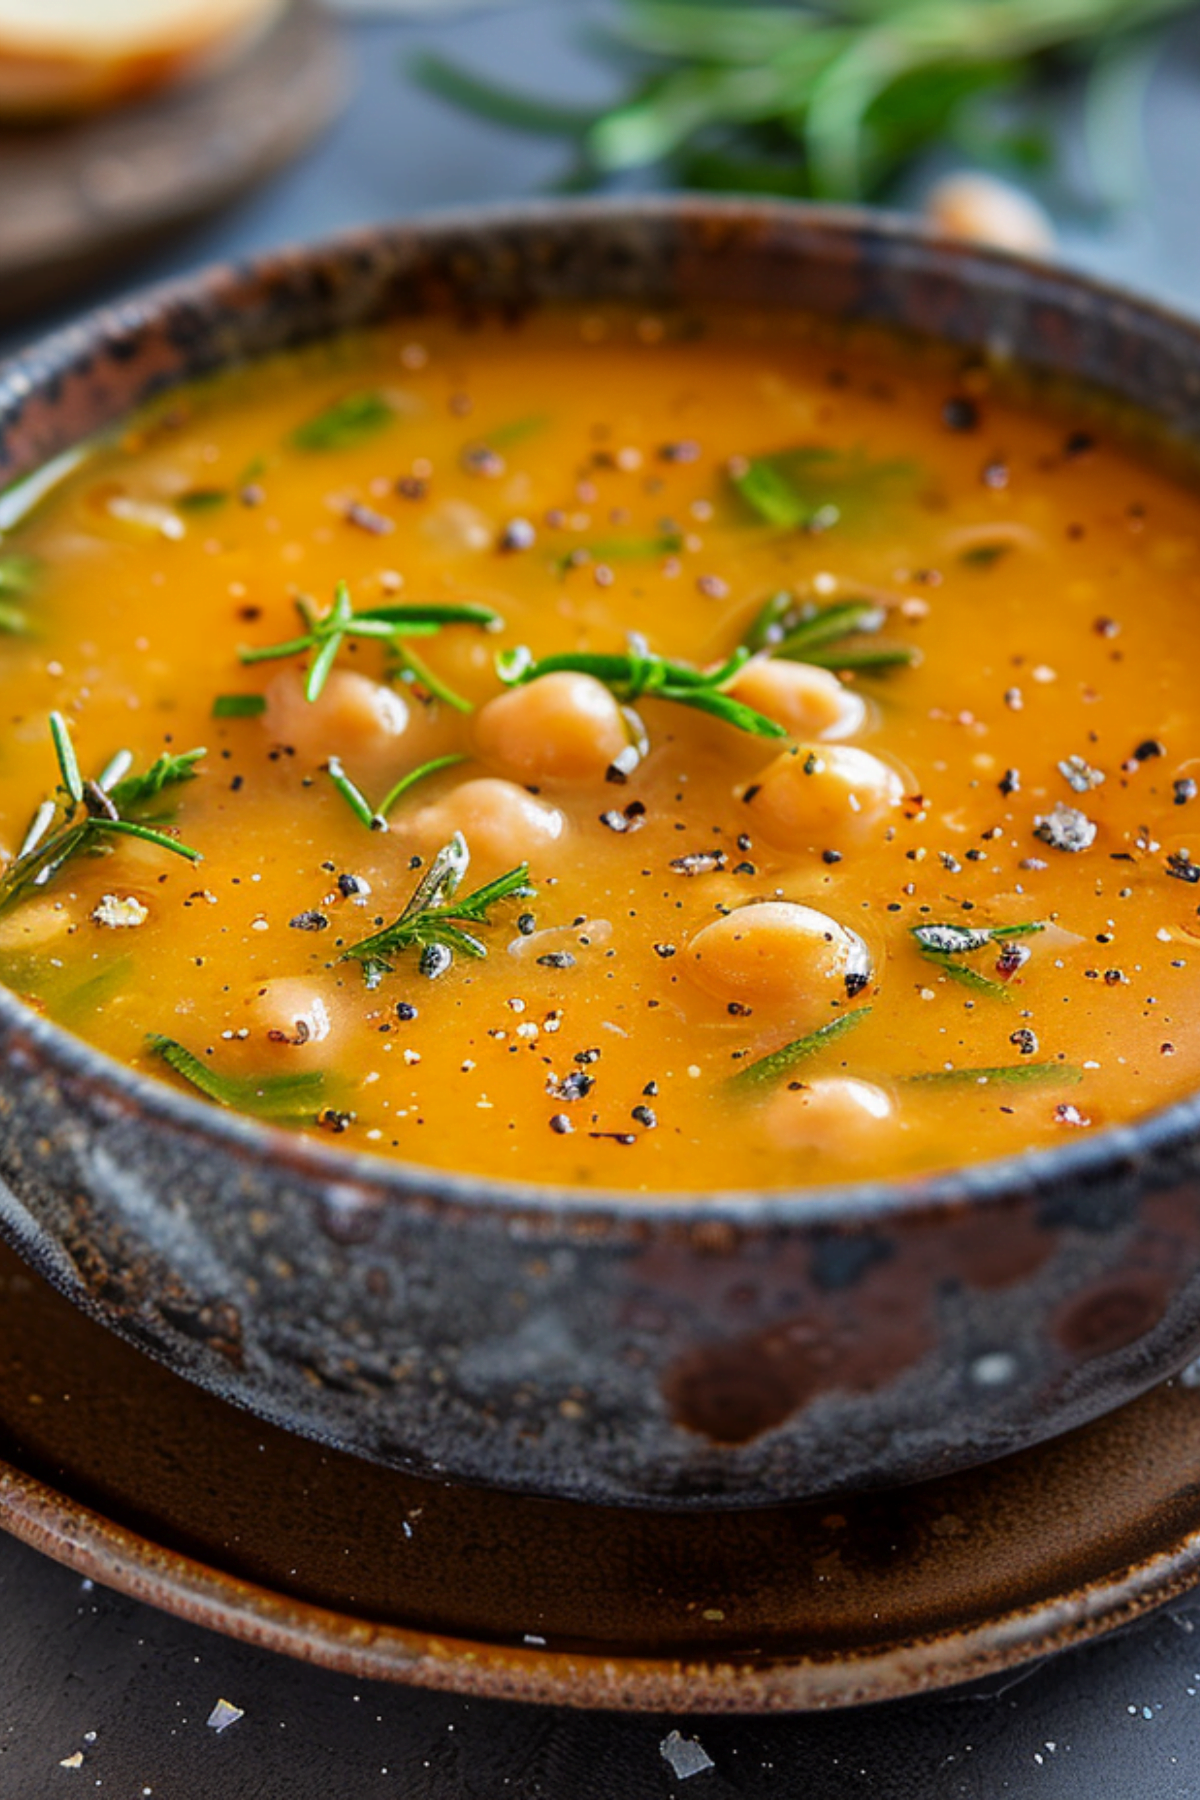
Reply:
x=702, y=1350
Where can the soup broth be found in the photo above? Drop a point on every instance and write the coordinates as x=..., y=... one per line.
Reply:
x=634, y=753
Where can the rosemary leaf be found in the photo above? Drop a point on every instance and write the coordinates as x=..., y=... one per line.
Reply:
x=410, y=667
x=814, y=487
x=201, y=500
x=348, y=422
x=130, y=828
x=773, y=1068
x=967, y=976
x=290, y=1096
x=18, y=574
x=622, y=549
x=866, y=656
x=422, y=773
x=64, y=750
x=355, y=799
x=1007, y=1074
x=239, y=706
x=826, y=636
x=322, y=665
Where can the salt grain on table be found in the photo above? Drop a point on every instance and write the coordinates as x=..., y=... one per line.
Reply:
x=685, y=1756
x=224, y=1714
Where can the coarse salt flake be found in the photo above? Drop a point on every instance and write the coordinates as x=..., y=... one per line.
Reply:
x=117, y=913
x=224, y=1714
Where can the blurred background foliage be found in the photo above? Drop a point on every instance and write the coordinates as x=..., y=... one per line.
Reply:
x=850, y=99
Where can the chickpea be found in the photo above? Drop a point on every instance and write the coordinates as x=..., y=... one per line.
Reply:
x=502, y=824
x=351, y=714
x=561, y=727
x=835, y=1112
x=288, y=1013
x=810, y=702
x=779, y=954
x=823, y=797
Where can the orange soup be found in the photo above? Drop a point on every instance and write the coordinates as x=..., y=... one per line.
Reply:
x=614, y=752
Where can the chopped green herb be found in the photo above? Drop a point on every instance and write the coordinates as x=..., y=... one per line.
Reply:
x=1008, y=1074
x=92, y=995
x=641, y=673
x=21, y=498
x=324, y=633
x=813, y=487
x=982, y=556
x=291, y=1096
x=515, y=431
x=239, y=706
x=17, y=575
x=348, y=422
x=166, y=771
x=202, y=499
x=773, y=1068
x=622, y=549
x=966, y=976
x=89, y=812
x=433, y=919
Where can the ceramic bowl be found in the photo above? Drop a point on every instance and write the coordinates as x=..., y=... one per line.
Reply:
x=709, y=1349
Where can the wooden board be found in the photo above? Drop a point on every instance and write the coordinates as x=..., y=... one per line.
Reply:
x=81, y=198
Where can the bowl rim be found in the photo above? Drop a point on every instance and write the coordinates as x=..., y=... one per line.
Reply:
x=611, y=1211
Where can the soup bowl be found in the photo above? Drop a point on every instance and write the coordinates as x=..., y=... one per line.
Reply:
x=688, y=1350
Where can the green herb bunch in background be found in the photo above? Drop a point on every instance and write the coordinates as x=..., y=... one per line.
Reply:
x=840, y=99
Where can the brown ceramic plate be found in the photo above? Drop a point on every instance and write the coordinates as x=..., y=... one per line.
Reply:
x=145, y=1483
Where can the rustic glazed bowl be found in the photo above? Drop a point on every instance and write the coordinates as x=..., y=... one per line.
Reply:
x=688, y=1350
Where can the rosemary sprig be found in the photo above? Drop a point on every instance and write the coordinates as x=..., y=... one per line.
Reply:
x=290, y=1096
x=827, y=636
x=375, y=818
x=772, y=1068
x=325, y=633
x=433, y=919
x=346, y=423
x=945, y=945
x=839, y=99
x=641, y=674
x=86, y=813
x=1007, y=1074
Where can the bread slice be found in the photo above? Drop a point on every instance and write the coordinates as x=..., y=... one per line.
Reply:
x=65, y=56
